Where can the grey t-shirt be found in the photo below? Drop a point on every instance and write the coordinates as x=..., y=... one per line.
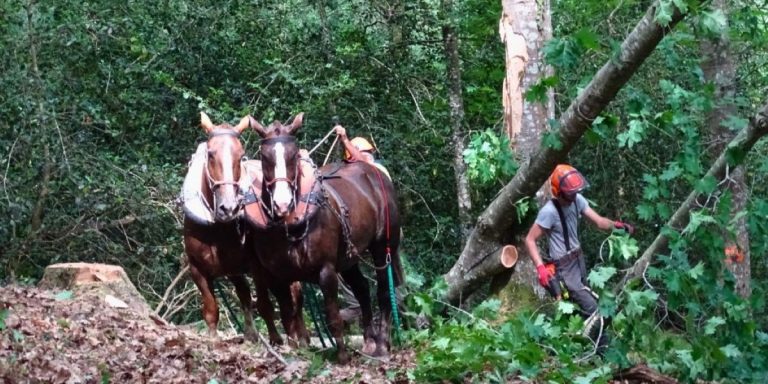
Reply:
x=550, y=221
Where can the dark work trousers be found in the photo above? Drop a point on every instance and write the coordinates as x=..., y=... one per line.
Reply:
x=573, y=272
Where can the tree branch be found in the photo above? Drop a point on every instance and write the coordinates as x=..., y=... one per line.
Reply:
x=499, y=222
x=743, y=143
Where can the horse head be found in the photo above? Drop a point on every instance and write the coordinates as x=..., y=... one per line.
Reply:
x=280, y=164
x=222, y=169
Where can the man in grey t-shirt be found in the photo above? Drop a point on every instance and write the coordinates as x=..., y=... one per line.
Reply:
x=564, y=246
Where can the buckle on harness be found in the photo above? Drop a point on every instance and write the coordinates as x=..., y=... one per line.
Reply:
x=250, y=197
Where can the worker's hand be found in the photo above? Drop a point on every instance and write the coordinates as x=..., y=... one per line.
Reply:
x=340, y=131
x=544, y=275
x=629, y=228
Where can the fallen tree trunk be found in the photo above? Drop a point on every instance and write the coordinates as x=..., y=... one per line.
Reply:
x=742, y=143
x=499, y=223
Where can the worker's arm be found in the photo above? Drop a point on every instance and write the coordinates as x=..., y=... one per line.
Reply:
x=605, y=223
x=530, y=243
x=354, y=154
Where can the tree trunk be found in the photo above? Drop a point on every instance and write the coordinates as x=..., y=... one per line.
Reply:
x=742, y=143
x=500, y=223
x=326, y=42
x=524, y=27
x=456, y=102
x=718, y=68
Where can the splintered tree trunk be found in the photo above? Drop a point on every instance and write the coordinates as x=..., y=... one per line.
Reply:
x=742, y=143
x=524, y=27
x=719, y=69
x=456, y=103
x=499, y=224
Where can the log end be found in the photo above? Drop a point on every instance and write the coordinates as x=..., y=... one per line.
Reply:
x=508, y=256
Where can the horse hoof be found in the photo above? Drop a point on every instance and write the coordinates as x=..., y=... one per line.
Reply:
x=381, y=352
x=369, y=347
x=343, y=358
x=275, y=340
x=251, y=336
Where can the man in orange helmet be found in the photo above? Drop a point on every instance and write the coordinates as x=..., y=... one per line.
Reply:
x=359, y=149
x=558, y=219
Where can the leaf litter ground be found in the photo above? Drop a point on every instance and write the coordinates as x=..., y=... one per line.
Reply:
x=47, y=337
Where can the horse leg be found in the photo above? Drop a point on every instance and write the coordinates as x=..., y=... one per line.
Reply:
x=329, y=284
x=297, y=298
x=210, y=308
x=288, y=311
x=264, y=305
x=359, y=285
x=244, y=294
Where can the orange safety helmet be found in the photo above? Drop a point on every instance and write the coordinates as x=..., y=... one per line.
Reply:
x=361, y=144
x=567, y=181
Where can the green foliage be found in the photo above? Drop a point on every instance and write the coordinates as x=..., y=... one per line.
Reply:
x=489, y=158
x=3, y=315
x=101, y=103
x=529, y=346
x=63, y=296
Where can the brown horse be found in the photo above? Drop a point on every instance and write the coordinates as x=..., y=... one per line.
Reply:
x=215, y=239
x=316, y=226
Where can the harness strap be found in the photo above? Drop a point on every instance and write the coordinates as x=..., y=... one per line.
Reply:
x=564, y=225
x=342, y=215
x=250, y=197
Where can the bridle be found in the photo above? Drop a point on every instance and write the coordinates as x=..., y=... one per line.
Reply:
x=214, y=184
x=292, y=184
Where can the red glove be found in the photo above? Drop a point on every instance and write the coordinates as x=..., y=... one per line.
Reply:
x=544, y=275
x=625, y=226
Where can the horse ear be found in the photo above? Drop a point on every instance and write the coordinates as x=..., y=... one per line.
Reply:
x=205, y=122
x=243, y=124
x=296, y=123
x=257, y=126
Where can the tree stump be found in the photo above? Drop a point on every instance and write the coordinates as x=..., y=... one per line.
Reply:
x=109, y=282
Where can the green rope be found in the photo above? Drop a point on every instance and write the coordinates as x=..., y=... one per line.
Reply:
x=318, y=317
x=393, y=300
x=232, y=314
